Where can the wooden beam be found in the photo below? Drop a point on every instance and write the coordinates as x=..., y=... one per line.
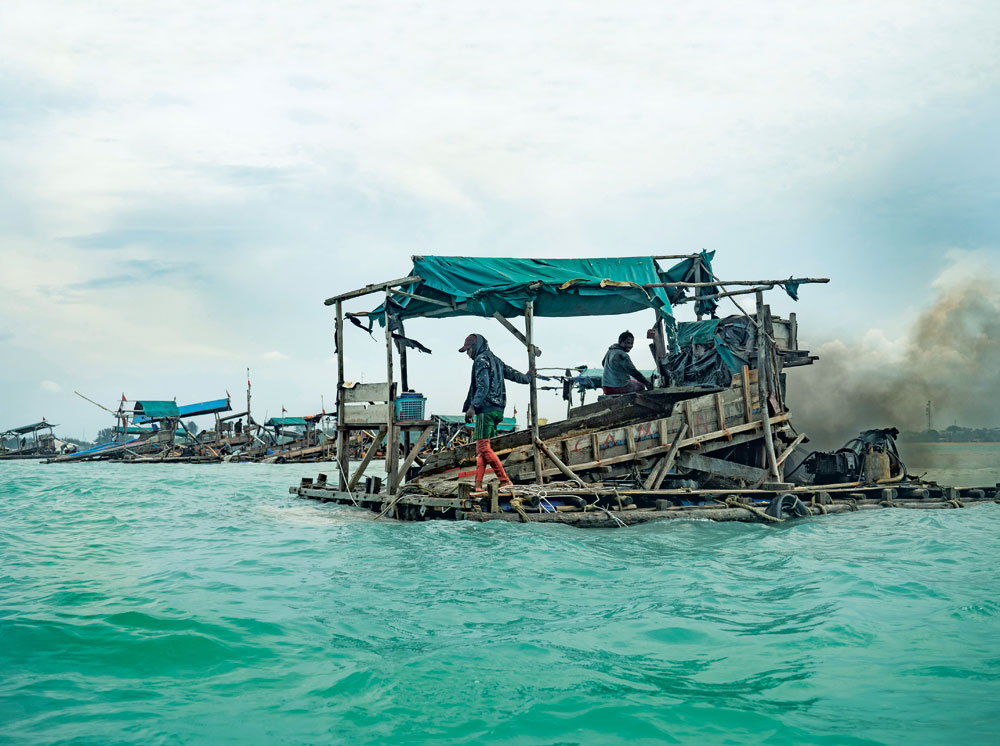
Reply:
x=715, y=296
x=369, y=289
x=515, y=331
x=721, y=467
x=408, y=462
x=788, y=451
x=423, y=298
x=762, y=388
x=567, y=472
x=659, y=473
x=359, y=472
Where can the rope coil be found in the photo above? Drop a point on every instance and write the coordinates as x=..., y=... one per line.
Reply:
x=734, y=502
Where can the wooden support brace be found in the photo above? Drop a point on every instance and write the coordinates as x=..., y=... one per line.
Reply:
x=516, y=332
x=367, y=458
x=567, y=472
x=668, y=460
x=788, y=451
x=413, y=453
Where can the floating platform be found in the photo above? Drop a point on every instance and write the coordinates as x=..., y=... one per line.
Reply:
x=601, y=506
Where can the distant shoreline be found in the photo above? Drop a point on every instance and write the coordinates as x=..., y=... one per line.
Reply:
x=950, y=442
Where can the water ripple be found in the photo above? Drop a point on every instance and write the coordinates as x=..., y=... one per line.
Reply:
x=202, y=604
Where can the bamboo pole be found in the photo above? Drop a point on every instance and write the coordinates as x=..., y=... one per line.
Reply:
x=716, y=283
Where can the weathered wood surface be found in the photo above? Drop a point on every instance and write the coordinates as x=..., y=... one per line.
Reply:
x=361, y=393
x=619, y=410
x=370, y=414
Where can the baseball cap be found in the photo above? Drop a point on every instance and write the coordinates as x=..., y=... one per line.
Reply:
x=469, y=341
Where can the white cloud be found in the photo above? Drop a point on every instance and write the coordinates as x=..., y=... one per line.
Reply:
x=51, y=386
x=274, y=355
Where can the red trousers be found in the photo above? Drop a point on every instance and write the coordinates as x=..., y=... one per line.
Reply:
x=484, y=456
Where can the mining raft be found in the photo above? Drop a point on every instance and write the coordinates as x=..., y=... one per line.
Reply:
x=713, y=439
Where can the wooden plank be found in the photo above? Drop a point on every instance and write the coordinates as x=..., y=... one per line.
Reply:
x=413, y=453
x=595, y=445
x=629, y=439
x=374, y=288
x=720, y=411
x=745, y=385
x=366, y=392
x=720, y=467
x=372, y=414
x=687, y=442
x=367, y=458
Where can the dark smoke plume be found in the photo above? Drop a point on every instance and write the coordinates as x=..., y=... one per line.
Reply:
x=950, y=356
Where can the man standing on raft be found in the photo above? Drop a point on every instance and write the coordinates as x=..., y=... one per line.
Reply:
x=485, y=402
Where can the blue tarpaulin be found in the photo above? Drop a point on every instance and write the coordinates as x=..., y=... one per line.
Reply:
x=205, y=407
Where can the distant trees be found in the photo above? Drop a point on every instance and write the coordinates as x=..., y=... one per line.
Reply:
x=105, y=435
x=953, y=434
x=192, y=427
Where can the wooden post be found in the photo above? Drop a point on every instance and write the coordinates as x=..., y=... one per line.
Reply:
x=529, y=317
x=762, y=363
x=343, y=457
x=697, y=278
x=404, y=382
x=392, y=444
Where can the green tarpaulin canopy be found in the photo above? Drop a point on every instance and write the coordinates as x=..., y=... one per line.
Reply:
x=482, y=286
x=285, y=421
x=147, y=410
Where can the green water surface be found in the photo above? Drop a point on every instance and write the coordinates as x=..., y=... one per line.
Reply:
x=181, y=604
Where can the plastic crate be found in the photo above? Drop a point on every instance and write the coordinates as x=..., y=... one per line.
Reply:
x=410, y=406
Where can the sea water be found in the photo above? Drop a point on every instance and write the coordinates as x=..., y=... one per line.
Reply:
x=203, y=604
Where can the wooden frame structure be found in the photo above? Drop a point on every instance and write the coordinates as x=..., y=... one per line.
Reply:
x=364, y=406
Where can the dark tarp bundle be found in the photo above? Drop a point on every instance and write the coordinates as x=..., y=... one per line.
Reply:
x=482, y=286
x=711, y=351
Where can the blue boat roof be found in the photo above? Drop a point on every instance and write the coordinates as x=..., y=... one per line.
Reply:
x=205, y=407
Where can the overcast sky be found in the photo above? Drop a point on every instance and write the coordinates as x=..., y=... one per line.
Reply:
x=182, y=184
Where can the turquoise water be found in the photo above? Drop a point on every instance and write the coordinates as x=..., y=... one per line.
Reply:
x=173, y=604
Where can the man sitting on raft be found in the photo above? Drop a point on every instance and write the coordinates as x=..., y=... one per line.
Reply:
x=620, y=375
x=485, y=402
